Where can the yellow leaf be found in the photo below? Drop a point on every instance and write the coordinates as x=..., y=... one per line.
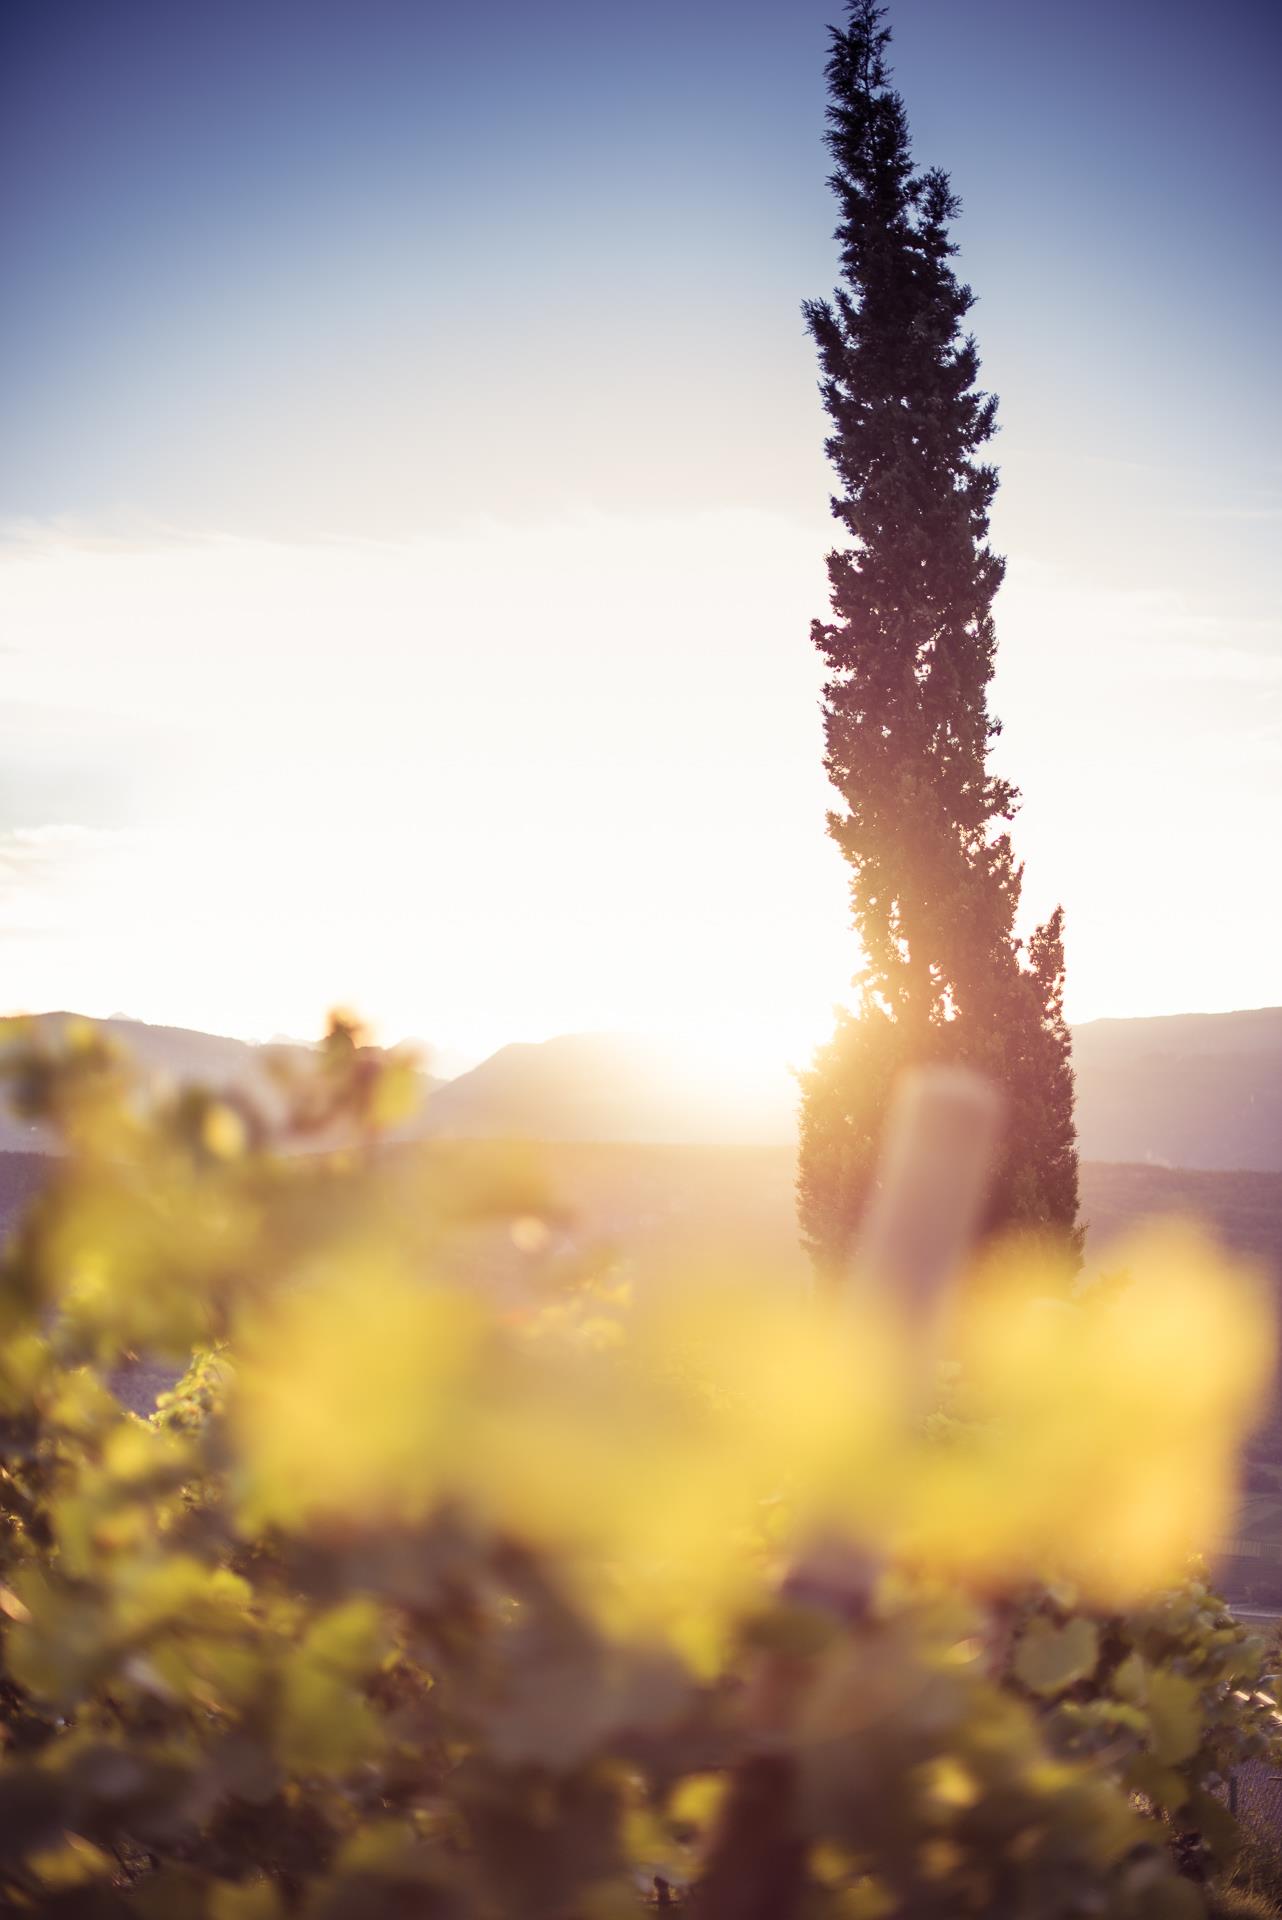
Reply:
x=951, y=1784
x=72, y=1864
x=352, y=1394
x=695, y=1801
x=866, y=1900
x=255, y=1899
x=348, y=1640
x=397, y=1091
x=222, y=1132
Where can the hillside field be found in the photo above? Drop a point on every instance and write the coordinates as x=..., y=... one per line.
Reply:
x=660, y=1204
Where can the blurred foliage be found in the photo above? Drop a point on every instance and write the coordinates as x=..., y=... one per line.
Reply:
x=451, y=1581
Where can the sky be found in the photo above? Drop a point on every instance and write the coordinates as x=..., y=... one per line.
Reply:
x=413, y=504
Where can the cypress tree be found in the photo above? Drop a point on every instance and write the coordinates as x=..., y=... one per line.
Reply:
x=909, y=650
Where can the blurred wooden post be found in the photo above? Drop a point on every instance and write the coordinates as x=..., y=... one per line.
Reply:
x=940, y=1145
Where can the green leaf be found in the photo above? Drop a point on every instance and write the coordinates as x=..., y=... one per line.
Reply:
x=1049, y=1659
x=175, y=1893
x=1165, y=1787
x=1174, y=1711
x=323, y=1725
x=349, y=1641
x=1216, y=1824
x=1168, y=1898
x=58, y=1650
x=1130, y=1682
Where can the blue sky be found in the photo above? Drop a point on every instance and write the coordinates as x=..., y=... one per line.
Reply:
x=413, y=468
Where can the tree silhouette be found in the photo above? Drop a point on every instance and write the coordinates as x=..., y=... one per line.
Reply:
x=909, y=650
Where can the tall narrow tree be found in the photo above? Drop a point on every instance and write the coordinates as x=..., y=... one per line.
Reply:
x=909, y=650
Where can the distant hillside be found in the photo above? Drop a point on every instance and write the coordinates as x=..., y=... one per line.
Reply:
x=1194, y=1090
x=610, y=1087
x=173, y=1055
x=1243, y=1209
x=168, y=1053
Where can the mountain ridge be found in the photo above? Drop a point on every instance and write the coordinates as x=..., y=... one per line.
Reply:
x=1195, y=1091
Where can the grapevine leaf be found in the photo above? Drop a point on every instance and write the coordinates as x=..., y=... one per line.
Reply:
x=1050, y=1659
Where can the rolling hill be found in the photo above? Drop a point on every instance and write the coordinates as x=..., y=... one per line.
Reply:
x=173, y=1055
x=1190, y=1091
x=1201, y=1091
x=613, y=1087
